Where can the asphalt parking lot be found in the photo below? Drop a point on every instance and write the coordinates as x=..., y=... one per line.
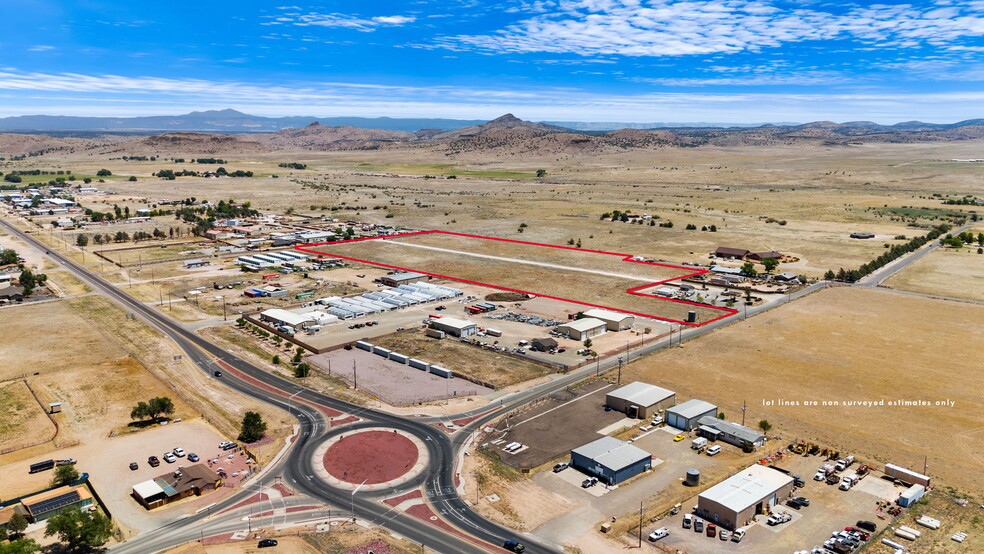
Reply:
x=830, y=510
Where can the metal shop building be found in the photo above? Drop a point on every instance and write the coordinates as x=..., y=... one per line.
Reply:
x=455, y=327
x=640, y=400
x=583, y=329
x=687, y=415
x=732, y=433
x=615, y=321
x=733, y=502
x=611, y=460
x=402, y=278
x=278, y=317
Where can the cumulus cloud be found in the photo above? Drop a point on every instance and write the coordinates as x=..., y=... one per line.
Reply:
x=689, y=27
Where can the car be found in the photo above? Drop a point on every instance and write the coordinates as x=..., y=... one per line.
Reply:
x=153, y=461
x=802, y=501
x=217, y=373
x=711, y=530
x=688, y=521
x=659, y=534
x=170, y=458
x=179, y=452
x=794, y=503
x=866, y=525
x=133, y=465
x=798, y=482
x=192, y=457
x=738, y=535
x=678, y=438
x=589, y=482
x=714, y=450
x=513, y=546
x=698, y=525
x=723, y=534
x=561, y=467
x=266, y=543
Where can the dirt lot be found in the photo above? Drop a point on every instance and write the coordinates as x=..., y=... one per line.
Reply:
x=350, y=539
x=392, y=382
x=947, y=272
x=606, y=289
x=848, y=344
x=555, y=426
x=476, y=362
x=22, y=420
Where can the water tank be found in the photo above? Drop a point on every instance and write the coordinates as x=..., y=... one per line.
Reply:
x=691, y=317
x=693, y=478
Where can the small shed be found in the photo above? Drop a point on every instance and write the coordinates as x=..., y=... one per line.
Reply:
x=543, y=345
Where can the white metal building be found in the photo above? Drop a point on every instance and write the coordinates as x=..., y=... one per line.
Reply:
x=640, y=399
x=733, y=502
x=616, y=321
x=455, y=327
x=283, y=317
x=583, y=329
x=687, y=415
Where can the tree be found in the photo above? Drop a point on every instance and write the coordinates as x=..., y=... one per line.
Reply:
x=252, y=428
x=81, y=531
x=20, y=546
x=103, y=173
x=721, y=416
x=301, y=370
x=770, y=264
x=276, y=359
x=748, y=268
x=8, y=256
x=64, y=475
x=587, y=343
x=132, y=179
x=17, y=524
x=765, y=426
x=82, y=241
x=829, y=275
x=153, y=408
x=28, y=280
x=541, y=173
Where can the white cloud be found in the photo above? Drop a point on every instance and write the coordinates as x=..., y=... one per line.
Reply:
x=394, y=19
x=40, y=48
x=677, y=28
x=342, y=20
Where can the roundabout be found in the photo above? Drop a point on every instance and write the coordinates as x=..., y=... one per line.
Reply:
x=370, y=459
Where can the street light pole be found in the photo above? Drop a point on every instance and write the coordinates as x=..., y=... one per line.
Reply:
x=619, y=370
x=290, y=398
x=353, y=499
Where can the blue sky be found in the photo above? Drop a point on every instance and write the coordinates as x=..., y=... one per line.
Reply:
x=574, y=60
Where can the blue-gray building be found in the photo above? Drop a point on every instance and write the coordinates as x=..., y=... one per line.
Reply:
x=611, y=460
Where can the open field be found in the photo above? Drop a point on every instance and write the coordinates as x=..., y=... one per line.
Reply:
x=492, y=367
x=127, y=254
x=842, y=345
x=572, y=281
x=957, y=273
x=66, y=283
x=22, y=419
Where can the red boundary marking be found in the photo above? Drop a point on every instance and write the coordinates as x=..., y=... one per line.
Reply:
x=625, y=258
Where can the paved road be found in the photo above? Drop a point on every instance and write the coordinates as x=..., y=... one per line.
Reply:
x=876, y=278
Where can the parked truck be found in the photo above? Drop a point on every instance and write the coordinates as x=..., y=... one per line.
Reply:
x=826, y=470
x=848, y=481
x=844, y=463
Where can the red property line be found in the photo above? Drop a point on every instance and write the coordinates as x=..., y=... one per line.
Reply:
x=625, y=258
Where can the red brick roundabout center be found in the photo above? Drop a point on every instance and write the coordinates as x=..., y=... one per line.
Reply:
x=372, y=458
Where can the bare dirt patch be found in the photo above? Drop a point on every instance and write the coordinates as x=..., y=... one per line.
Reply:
x=848, y=344
x=956, y=273
x=22, y=420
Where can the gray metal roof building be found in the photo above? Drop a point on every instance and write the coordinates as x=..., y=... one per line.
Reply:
x=640, y=399
x=729, y=432
x=611, y=460
x=685, y=416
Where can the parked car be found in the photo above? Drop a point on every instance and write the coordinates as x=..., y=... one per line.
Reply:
x=133, y=465
x=698, y=525
x=738, y=535
x=193, y=457
x=589, y=482
x=802, y=501
x=795, y=503
x=170, y=458
x=723, y=534
x=688, y=521
x=711, y=530
x=153, y=461
x=678, y=438
x=513, y=546
x=659, y=534
x=266, y=543
x=561, y=467
x=179, y=452
x=714, y=450
x=867, y=525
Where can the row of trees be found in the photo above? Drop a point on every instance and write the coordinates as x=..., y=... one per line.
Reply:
x=80, y=531
x=171, y=174
x=893, y=253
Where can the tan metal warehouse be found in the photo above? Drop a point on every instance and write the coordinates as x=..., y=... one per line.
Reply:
x=454, y=326
x=583, y=329
x=640, y=400
x=733, y=502
x=616, y=321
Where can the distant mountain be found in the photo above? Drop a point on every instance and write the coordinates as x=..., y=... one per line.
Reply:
x=505, y=122
x=217, y=121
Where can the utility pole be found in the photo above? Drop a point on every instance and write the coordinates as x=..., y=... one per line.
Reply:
x=640, y=524
x=355, y=376
x=619, y=370
x=223, y=308
x=744, y=407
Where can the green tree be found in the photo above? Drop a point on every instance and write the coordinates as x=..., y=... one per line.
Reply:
x=721, y=416
x=276, y=359
x=748, y=268
x=132, y=179
x=17, y=524
x=587, y=343
x=252, y=428
x=103, y=173
x=64, y=475
x=8, y=256
x=82, y=241
x=80, y=531
x=541, y=173
x=770, y=264
x=765, y=426
x=28, y=280
x=301, y=370
x=20, y=546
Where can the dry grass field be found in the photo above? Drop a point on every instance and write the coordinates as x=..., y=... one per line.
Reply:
x=464, y=359
x=22, y=419
x=565, y=282
x=946, y=272
x=849, y=344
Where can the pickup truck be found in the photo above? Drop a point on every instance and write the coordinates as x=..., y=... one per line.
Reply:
x=778, y=518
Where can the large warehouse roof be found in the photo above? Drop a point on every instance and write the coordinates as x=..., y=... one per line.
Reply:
x=607, y=315
x=747, y=487
x=584, y=324
x=740, y=431
x=641, y=394
x=612, y=453
x=454, y=323
x=692, y=408
x=285, y=317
